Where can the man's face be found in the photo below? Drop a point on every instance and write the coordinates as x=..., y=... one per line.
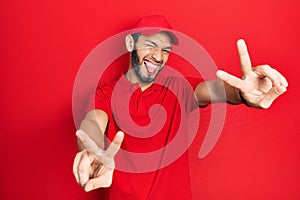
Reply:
x=150, y=55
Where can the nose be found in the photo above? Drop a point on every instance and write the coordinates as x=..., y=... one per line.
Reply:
x=157, y=55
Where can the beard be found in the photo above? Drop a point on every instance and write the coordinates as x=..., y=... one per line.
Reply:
x=136, y=65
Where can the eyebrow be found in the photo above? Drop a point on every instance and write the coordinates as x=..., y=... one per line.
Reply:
x=152, y=42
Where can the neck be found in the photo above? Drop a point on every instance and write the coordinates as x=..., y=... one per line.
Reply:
x=131, y=77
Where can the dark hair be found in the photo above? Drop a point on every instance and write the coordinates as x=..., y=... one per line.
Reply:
x=136, y=36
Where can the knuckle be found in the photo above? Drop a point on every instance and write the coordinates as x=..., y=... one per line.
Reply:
x=78, y=154
x=263, y=68
x=109, y=182
x=99, y=154
x=82, y=169
x=280, y=91
x=264, y=106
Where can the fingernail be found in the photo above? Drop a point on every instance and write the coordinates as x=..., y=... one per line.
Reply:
x=79, y=133
x=120, y=134
x=220, y=73
x=241, y=42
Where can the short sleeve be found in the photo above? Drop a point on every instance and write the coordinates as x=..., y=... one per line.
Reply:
x=101, y=99
x=189, y=94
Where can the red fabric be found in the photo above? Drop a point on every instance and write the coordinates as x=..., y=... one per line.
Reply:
x=169, y=182
x=152, y=24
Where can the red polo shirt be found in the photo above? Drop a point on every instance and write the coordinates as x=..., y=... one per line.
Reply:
x=152, y=162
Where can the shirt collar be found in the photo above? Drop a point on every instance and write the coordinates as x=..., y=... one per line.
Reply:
x=127, y=85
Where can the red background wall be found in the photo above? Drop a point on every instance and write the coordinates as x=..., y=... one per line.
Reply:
x=43, y=43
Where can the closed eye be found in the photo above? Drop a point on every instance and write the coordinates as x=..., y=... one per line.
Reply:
x=151, y=44
x=166, y=51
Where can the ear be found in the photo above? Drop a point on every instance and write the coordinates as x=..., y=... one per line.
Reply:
x=129, y=43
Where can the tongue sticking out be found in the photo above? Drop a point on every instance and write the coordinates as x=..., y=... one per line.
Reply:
x=150, y=67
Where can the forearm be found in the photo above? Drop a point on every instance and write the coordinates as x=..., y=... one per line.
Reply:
x=217, y=91
x=94, y=125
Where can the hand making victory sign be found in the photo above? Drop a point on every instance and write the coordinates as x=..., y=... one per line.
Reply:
x=260, y=85
x=93, y=167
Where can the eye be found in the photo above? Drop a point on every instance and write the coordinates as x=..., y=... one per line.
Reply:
x=150, y=45
x=167, y=51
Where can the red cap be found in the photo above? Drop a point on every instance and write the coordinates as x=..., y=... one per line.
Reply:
x=153, y=24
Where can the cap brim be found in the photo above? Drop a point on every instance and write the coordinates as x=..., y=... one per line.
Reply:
x=154, y=30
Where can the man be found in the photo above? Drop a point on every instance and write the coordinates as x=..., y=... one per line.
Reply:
x=141, y=87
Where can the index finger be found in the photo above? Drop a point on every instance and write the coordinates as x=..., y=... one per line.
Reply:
x=244, y=57
x=230, y=79
x=115, y=145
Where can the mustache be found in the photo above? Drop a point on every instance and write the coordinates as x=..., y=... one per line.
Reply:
x=135, y=60
x=154, y=61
